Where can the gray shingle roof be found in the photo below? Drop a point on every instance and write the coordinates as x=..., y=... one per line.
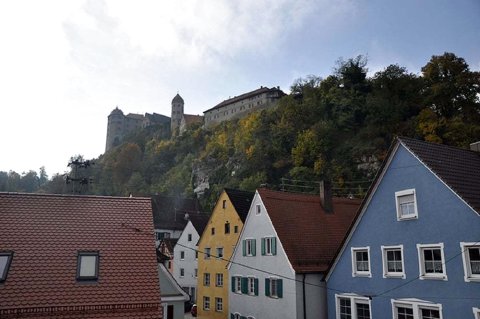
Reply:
x=241, y=200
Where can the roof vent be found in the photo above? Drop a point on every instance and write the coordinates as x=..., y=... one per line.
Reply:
x=475, y=146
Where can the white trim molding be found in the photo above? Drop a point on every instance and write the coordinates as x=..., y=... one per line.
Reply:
x=416, y=306
x=421, y=262
x=354, y=300
x=355, y=271
x=405, y=193
x=467, y=265
x=397, y=274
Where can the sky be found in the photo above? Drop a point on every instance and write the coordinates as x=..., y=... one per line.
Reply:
x=65, y=65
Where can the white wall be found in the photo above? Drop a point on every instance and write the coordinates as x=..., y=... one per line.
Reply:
x=189, y=263
x=316, y=296
x=261, y=306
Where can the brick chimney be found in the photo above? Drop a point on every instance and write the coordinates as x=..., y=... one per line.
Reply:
x=475, y=146
x=326, y=196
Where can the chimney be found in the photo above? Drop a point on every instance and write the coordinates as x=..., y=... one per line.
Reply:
x=326, y=196
x=475, y=146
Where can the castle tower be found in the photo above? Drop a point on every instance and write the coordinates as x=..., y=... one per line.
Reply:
x=177, y=113
x=115, y=128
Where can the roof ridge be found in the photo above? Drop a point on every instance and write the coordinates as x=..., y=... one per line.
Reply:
x=71, y=196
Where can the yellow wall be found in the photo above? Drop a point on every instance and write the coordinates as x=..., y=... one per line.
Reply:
x=213, y=265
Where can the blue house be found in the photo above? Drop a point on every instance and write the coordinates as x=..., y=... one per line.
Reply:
x=413, y=250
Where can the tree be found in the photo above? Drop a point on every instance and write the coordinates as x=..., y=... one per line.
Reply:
x=451, y=89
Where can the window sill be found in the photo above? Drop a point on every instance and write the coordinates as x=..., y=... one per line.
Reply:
x=394, y=276
x=433, y=277
x=472, y=279
x=361, y=274
x=413, y=217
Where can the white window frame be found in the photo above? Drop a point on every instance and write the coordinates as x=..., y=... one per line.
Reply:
x=416, y=305
x=238, y=284
x=182, y=272
x=236, y=315
x=206, y=299
x=251, y=284
x=269, y=246
x=421, y=262
x=258, y=209
x=476, y=313
x=397, y=204
x=218, y=280
x=249, y=243
x=182, y=254
x=206, y=279
x=354, y=300
x=386, y=273
x=360, y=273
x=218, y=304
x=467, y=270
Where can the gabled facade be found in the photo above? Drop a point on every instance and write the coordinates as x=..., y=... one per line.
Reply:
x=284, y=249
x=414, y=249
x=215, y=249
x=77, y=257
x=173, y=296
x=185, y=254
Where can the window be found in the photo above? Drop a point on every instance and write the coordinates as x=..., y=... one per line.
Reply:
x=196, y=254
x=218, y=304
x=227, y=228
x=87, y=265
x=5, y=261
x=476, y=313
x=431, y=262
x=273, y=287
x=196, y=272
x=252, y=286
x=219, y=252
x=206, y=279
x=235, y=316
x=269, y=246
x=182, y=272
x=361, y=262
x=415, y=309
x=258, y=209
x=406, y=203
x=182, y=255
x=392, y=257
x=249, y=247
x=471, y=261
x=206, y=303
x=352, y=306
x=237, y=284
x=207, y=253
x=189, y=237
x=219, y=280
x=224, y=204
x=235, y=229
x=213, y=230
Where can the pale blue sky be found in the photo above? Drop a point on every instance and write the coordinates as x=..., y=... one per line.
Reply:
x=64, y=65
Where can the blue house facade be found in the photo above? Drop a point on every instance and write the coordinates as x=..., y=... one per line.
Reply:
x=413, y=251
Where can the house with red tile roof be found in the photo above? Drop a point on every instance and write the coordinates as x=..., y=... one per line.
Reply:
x=67, y=256
x=285, y=247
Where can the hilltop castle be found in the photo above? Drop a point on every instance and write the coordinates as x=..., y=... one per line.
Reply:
x=120, y=125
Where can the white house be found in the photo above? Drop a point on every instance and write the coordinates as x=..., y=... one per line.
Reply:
x=284, y=249
x=185, y=256
x=172, y=296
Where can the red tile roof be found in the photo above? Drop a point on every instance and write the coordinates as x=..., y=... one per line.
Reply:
x=309, y=236
x=45, y=232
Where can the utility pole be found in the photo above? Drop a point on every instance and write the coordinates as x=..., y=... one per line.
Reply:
x=79, y=181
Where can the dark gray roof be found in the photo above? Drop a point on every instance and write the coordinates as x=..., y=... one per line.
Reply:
x=199, y=221
x=169, y=212
x=241, y=200
x=458, y=168
x=177, y=98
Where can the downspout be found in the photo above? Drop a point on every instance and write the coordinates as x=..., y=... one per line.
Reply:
x=304, y=301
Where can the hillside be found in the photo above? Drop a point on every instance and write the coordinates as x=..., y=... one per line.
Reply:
x=337, y=128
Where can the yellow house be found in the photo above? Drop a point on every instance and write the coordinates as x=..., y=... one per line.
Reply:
x=216, y=246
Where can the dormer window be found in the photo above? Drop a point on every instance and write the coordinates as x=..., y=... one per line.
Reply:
x=406, y=204
x=5, y=261
x=87, y=265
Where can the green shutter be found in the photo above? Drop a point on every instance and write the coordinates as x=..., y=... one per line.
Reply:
x=254, y=247
x=233, y=284
x=274, y=245
x=256, y=286
x=280, y=288
x=244, y=247
x=263, y=246
x=267, y=287
x=232, y=316
x=244, y=285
